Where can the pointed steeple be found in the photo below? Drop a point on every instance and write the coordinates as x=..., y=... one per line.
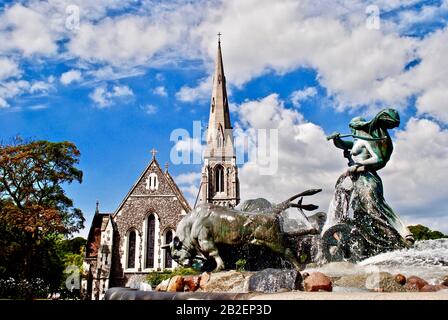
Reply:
x=219, y=136
x=219, y=176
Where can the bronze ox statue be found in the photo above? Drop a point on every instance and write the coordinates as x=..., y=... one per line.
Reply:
x=256, y=222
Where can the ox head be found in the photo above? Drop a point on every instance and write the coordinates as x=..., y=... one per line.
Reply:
x=180, y=252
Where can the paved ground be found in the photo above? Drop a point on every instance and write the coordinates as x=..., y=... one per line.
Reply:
x=353, y=296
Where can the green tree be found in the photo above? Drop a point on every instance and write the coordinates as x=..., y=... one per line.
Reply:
x=34, y=208
x=421, y=232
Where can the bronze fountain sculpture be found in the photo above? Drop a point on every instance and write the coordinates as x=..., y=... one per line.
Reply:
x=358, y=224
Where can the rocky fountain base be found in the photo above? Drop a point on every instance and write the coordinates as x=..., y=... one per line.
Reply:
x=423, y=268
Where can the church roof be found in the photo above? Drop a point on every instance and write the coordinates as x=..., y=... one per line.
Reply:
x=175, y=189
x=99, y=224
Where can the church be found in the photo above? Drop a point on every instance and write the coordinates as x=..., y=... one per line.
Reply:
x=124, y=246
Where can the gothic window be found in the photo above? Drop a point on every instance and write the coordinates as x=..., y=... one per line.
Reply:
x=131, y=249
x=152, y=183
x=168, y=240
x=150, y=241
x=219, y=178
x=213, y=105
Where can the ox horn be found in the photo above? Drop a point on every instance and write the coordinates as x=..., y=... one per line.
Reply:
x=166, y=246
x=287, y=203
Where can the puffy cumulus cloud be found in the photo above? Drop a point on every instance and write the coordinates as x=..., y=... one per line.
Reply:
x=189, y=184
x=415, y=178
x=355, y=64
x=430, y=77
x=301, y=95
x=199, y=92
x=151, y=36
x=104, y=97
x=59, y=10
x=160, y=91
x=434, y=102
x=359, y=69
x=305, y=158
x=9, y=68
x=118, y=40
x=427, y=13
x=70, y=76
x=25, y=30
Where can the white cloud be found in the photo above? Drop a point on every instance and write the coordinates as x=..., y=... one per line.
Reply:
x=104, y=98
x=301, y=95
x=305, y=158
x=434, y=102
x=188, y=178
x=189, y=184
x=27, y=31
x=40, y=87
x=8, y=69
x=14, y=88
x=191, y=94
x=3, y=103
x=150, y=109
x=70, y=76
x=120, y=40
x=160, y=91
x=415, y=179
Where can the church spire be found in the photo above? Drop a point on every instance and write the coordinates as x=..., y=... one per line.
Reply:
x=219, y=137
x=219, y=179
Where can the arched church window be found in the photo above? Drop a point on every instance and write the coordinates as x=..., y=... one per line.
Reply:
x=131, y=249
x=168, y=240
x=152, y=183
x=219, y=178
x=213, y=105
x=150, y=241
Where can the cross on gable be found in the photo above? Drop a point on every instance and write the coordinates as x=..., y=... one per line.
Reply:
x=153, y=151
x=219, y=36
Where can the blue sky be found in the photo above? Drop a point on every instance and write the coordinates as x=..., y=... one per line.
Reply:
x=130, y=72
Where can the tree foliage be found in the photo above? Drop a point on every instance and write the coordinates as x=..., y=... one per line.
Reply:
x=35, y=211
x=421, y=232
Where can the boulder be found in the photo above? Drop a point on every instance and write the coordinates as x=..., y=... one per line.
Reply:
x=191, y=283
x=352, y=281
x=163, y=286
x=176, y=284
x=400, y=279
x=433, y=287
x=383, y=282
x=275, y=280
x=205, y=277
x=415, y=283
x=227, y=281
x=317, y=281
